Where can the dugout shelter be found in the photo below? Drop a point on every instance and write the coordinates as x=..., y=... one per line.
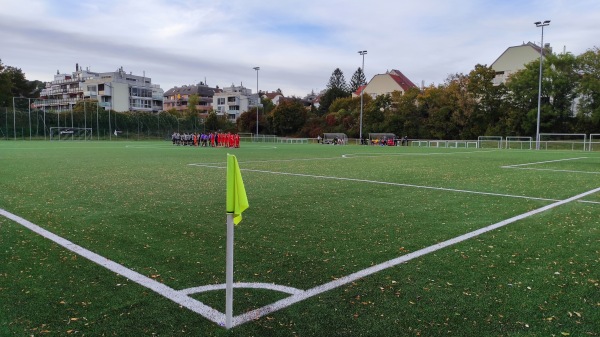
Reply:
x=335, y=138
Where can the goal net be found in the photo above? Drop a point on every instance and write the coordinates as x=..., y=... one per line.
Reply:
x=489, y=142
x=64, y=133
x=563, y=141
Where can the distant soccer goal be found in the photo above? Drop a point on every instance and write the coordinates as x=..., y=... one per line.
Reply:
x=489, y=142
x=594, y=145
x=64, y=133
x=521, y=143
x=563, y=141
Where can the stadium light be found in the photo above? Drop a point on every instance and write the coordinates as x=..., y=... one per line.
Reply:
x=362, y=52
x=537, y=132
x=258, y=101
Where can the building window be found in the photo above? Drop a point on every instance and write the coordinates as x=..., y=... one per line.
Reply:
x=234, y=107
x=221, y=100
x=231, y=99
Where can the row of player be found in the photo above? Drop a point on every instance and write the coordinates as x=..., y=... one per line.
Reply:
x=213, y=139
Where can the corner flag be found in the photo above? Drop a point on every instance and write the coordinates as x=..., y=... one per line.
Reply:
x=237, y=201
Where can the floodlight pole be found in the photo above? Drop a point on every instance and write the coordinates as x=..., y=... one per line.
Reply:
x=537, y=132
x=362, y=53
x=258, y=101
x=14, y=120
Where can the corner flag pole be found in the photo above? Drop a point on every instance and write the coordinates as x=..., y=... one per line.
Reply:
x=229, y=273
x=237, y=202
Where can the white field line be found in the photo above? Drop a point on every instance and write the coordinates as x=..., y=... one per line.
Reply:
x=172, y=294
x=182, y=299
x=382, y=183
x=244, y=285
x=551, y=170
x=542, y=162
x=254, y=314
x=518, y=166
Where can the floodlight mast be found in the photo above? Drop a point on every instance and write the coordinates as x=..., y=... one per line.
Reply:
x=258, y=100
x=537, y=132
x=362, y=53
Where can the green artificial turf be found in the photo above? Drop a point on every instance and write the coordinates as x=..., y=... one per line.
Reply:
x=317, y=213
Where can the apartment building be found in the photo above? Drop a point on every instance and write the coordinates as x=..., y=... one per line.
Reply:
x=178, y=97
x=116, y=90
x=234, y=100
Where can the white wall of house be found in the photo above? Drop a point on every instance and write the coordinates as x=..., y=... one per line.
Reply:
x=382, y=84
x=513, y=60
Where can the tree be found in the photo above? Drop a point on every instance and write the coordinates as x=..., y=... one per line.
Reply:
x=193, y=100
x=357, y=80
x=337, y=81
x=588, y=66
x=14, y=84
x=336, y=88
x=289, y=117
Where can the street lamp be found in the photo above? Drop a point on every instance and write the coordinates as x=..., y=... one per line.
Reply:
x=537, y=132
x=362, y=52
x=257, y=103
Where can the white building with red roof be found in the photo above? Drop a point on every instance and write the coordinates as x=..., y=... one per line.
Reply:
x=387, y=83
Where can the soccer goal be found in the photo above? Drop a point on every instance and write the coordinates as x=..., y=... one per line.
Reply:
x=64, y=133
x=563, y=141
x=489, y=142
x=593, y=145
x=522, y=143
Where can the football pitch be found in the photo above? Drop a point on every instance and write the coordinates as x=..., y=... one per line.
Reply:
x=128, y=239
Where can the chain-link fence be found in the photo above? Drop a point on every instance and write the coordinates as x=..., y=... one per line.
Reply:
x=24, y=121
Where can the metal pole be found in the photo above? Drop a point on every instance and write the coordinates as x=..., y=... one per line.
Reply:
x=97, y=120
x=258, y=101
x=362, y=52
x=14, y=120
x=537, y=132
x=112, y=98
x=29, y=108
x=44, y=107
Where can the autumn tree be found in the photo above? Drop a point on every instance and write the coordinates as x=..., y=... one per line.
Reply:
x=289, y=117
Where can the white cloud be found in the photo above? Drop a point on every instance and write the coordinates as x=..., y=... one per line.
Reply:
x=297, y=44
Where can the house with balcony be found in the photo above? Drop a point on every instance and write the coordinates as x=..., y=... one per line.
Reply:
x=234, y=100
x=384, y=84
x=116, y=90
x=514, y=59
x=178, y=97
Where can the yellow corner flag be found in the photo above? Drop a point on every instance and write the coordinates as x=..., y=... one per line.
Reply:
x=237, y=201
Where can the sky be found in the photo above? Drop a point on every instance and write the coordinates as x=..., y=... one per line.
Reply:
x=296, y=44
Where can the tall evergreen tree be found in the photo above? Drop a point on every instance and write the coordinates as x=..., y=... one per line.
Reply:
x=337, y=81
x=357, y=80
x=336, y=88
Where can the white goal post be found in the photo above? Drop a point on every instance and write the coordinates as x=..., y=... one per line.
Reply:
x=591, y=143
x=516, y=142
x=66, y=133
x=487, y=141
